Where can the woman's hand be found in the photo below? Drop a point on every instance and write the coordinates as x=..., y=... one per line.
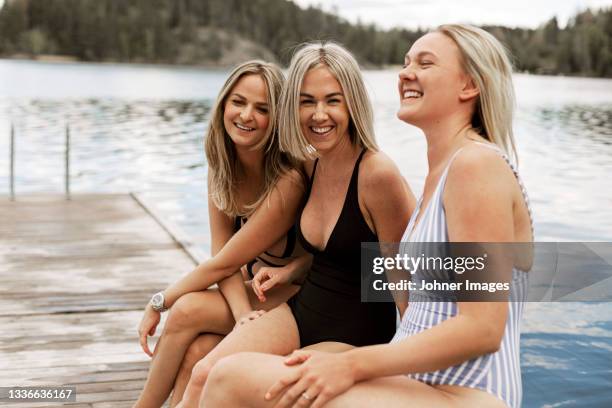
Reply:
x=268, y=277
x=320, y=377
x=147, y=327
x=249, y=316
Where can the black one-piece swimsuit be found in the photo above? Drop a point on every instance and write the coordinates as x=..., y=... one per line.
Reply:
x=328, y=306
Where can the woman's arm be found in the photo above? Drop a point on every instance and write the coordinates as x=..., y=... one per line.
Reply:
x=478, y=205
x=232, y=288
x=266, y=226
x=389, y=203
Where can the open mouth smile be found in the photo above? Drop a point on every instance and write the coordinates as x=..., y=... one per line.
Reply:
x=411, y=94
x=242, y=127
x=321, y=130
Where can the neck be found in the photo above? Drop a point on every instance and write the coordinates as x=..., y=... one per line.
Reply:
x=251, y=162
x=443, y=139
x=342, y=153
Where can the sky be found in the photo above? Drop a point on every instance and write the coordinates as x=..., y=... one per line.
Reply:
x=430, y=13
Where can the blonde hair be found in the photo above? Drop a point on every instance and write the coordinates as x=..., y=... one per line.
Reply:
x=221, y=152
x=486, y=61
x=344, y=67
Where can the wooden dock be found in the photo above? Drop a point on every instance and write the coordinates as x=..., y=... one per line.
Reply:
x=74, y=278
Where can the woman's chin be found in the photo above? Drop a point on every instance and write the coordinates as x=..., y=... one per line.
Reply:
x=406, y=116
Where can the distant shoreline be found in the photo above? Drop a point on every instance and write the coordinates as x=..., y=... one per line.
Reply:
x=69, y=59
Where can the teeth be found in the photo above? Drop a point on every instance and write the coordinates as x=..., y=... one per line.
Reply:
x=412, y=94
x=321, y=129
x=242, y=127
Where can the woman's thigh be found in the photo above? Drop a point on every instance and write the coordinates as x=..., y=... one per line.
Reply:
x=329, y=347
x=275, y=332
x=403, y=392
x=398, y=391
x=207, y=311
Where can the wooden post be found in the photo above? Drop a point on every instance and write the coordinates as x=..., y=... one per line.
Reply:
x=67, y=175
x=12, y=163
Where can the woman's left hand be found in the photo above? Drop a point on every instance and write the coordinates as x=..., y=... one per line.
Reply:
x=320, y=377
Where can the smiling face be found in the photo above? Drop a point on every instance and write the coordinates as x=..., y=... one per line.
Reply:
x=324, y=114
x=432, y=80
x=245, y=113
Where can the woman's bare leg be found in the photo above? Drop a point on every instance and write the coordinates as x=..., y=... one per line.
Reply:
x=275, y=332
x=233, y=386
x=329, y=347
x=198, y=349
x=192, y=314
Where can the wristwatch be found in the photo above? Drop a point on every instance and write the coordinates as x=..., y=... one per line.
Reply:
x=157, y=302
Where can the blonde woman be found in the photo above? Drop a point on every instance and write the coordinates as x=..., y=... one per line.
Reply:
x=456, y=86
x=248, y=178
x=354, y=194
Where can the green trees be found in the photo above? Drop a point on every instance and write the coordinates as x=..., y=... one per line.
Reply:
x=205, y=31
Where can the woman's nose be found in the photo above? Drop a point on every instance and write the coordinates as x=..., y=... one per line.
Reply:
x=247, y=113
x=407, y=73
x=320, y=113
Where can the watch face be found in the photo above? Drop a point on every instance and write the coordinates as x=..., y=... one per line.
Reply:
x=157, y=300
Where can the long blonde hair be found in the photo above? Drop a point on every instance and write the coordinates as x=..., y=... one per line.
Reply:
x=221, y=152
x=486, y=61
x=344, y=67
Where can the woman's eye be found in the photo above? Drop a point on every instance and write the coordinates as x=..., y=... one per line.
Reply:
x=262, y=110
x=306, y=102
x=334, y=101
x=237, y=102
x=426, y=63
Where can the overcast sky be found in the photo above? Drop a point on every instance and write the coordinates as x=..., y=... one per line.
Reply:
x=430, y=13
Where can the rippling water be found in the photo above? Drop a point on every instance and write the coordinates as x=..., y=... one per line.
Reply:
x=140, y=128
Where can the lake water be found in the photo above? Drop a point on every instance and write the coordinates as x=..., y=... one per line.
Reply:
x=140, y=128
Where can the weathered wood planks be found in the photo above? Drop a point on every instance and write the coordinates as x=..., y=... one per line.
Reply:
x=74, y=277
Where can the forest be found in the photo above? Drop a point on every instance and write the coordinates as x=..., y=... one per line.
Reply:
x=224, y=32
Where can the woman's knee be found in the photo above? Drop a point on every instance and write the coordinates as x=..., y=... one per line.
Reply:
x=230, y=371
x=181, y=315
x=198, y=349
x=200, y=372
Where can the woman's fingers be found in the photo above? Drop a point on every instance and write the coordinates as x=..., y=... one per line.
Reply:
x=269, y=283
x=144, y=344
x=255, y=284
x=281, y=384
x=309, y=397
x=295, y=394
x=297, y=357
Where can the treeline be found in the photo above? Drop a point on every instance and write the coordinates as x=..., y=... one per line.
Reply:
x=212, y=31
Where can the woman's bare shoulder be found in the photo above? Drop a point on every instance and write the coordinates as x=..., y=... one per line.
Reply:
x=292, y=179
x=380, y=175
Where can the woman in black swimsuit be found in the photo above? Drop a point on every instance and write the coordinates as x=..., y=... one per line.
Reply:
x=248, y=177
x=354, y=195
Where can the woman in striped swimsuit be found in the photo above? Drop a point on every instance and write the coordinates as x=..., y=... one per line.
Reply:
x=456, y=86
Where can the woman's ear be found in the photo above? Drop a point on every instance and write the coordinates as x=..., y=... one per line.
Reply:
x=469, y=90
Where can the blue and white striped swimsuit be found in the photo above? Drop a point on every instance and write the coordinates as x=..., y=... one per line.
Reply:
x=498, y=373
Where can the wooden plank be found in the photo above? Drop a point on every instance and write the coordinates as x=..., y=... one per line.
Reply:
x=74, y=278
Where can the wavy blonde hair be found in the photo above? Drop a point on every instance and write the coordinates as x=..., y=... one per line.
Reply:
x=345, y=68
x=221, y=152
x=487, y=62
